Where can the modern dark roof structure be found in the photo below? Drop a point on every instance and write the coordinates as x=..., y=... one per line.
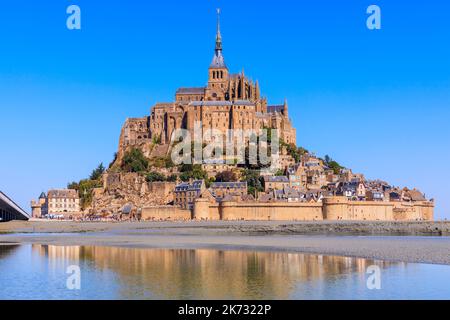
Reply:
x=9, y=210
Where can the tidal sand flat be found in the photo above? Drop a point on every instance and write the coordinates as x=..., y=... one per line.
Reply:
x=234, y=227
x=370, y=240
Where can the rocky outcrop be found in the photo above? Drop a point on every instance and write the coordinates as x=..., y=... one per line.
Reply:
x=120, y=189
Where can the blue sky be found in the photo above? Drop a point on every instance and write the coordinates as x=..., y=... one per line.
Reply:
x=376, y=101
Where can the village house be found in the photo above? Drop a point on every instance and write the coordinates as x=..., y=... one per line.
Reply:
x=413, y=196
x=346, y=175
x=63, y=202
x=221, y=189
x=355, y=190
x=275, y=183
x=186, y=193
x=298, y=179
x=375, y=195
x=287, y=194
x=316, y=178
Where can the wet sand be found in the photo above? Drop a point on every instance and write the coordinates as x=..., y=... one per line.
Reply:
x=369, y=240
x=234, y=227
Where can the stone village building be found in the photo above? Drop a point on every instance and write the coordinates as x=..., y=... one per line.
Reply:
x=186, y=193
x=220, y=190
x=57, y=202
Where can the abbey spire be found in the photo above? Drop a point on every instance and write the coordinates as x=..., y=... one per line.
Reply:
x=218, y=60
x=218, y=35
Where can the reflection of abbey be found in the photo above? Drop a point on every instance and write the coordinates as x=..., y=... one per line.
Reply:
x=228, y=101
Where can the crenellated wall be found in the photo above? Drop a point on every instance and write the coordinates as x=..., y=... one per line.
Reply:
x=332, y=209
x=270, y=211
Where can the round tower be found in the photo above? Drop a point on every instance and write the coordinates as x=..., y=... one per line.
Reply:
x=201, y=209
x=335, y=208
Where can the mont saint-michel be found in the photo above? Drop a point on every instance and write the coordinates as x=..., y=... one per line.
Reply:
x=288, y=150
x=145, y=183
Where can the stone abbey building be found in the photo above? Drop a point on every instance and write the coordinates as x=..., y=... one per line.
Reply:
x=228, y=101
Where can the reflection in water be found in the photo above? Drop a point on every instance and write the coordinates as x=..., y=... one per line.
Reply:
x=6, y=249
x=211, y=274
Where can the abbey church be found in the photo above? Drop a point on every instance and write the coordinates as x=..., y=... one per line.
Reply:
x=228, y=101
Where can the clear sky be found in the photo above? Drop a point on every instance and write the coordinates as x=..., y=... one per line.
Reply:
x=376, y=101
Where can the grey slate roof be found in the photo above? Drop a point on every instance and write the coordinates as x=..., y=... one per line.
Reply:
x=210, y=103
x=276, y=179
x=232, y=185
x=186, y=186
x=191, y=90
x=243, y=103
x=67, y=193
x=218, y=61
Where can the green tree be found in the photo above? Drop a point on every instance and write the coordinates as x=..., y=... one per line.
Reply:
x=168, y=163
x=73, y=185
x=254, y=181
x=134, y=161
x=334, y=165
x=85, y=191
x=189, y=171
x=97, y=172
x=295, y=152
x=155, y=177
x=162, y=162
x=226, y=176
x=172, y=178
x=114, y=160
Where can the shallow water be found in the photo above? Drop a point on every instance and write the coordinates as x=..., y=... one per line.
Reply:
x=40, y=272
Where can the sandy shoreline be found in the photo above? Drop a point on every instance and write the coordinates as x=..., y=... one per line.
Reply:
x=371, y=242
x=235, y=227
